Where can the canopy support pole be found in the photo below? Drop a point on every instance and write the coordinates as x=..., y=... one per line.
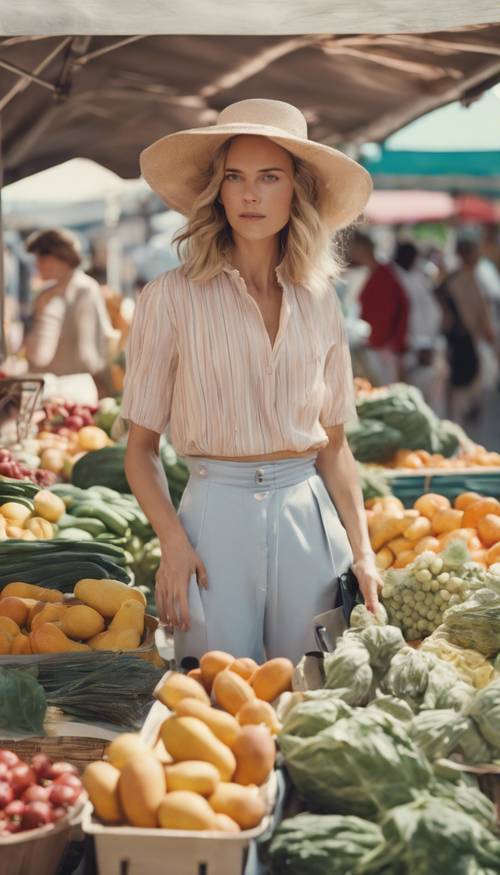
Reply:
x=3, y=344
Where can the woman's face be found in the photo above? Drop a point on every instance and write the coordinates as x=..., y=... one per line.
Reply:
x=49, y=267
x=257, y=189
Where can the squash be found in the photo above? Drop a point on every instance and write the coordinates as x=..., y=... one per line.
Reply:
x=468, y=536
x=31, y=591
x=196, y=776
x=9, y=626
x=40, y=528
x=386, y=529
x=5, y=642
x=214, y=661
x=178, y=686
x=182, y=809
x=404, y=559
x=116, y=640
x=21, y=645
x=429, y=544
x=479, y=509
x=124, y=748
x=80, y=621
x=197, y=676
x=49, y=506
x=259, y=712
x=129, y=616
x=162, y=754
x=187, y=738
x=463, y=500
x=48, y=638
x=15, y=514
x=226, y=823
x=106, y=596
x=242, y=804
x=273, y=678
x=399, y=545
x=141, y=788
x=493, y=554
x=384, y=558
x=14, y=608
x=418, y=529
x=430, y=503
x=489, y=529
x=447, y=521
x=100, y=780
x=244, y=666
x=231, y=691
x=50, y=613
x=223, y=725
x=255, y=753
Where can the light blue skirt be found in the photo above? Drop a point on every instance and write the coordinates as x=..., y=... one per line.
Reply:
x=273, y=547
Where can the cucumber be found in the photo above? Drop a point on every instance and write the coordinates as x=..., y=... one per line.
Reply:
x=113, y=520
x=18, y=499
x=87, y=524
x=72, y=534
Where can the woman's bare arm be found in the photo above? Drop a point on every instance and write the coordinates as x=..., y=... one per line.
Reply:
x=179, y=561
x=337, y=467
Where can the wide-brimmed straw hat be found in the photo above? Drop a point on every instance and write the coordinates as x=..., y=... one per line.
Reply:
x=173, y=165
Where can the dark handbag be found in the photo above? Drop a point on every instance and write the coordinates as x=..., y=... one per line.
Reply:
x=348, y=593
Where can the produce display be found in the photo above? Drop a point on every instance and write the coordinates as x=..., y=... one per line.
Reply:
x=211, y=758
x=59, y=563
x=399, y=535
x=35, y=794
x=397, y=429
x=105, y=615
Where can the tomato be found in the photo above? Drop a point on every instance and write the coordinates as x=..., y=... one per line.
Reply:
x=20, y=777
x=61, y=794
x=41, y=765
x=4, y=772
x=6, y=794
x=35, y=793
x=59, y=812
x=60, y=768
x=9, y=758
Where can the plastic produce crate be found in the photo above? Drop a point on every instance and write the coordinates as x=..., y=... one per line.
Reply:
x=408, y=487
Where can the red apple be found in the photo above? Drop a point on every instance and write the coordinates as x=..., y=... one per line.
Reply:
x=20, y=777
x=14, y=808
x=8, y=757
x=60, y=767
x=61, y=794
x=69, y=780
x=41, y=765
x=35, y=793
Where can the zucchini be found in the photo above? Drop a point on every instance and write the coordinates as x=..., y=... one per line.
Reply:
x=113, y=521
x=87, y=524
x=19, y=499
x=72, y=534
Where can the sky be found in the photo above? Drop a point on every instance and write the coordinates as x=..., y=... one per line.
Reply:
x=447, y=128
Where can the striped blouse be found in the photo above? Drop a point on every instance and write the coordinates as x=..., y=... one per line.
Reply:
x=199, y=359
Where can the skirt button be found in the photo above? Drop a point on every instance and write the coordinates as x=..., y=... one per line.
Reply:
x=259, y=475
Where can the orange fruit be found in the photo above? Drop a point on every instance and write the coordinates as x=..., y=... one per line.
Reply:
x=489, y=529
x=464, y=499
x=15, y=609
x=431, y=503
x=479, y=509
x=447, y=521
x=493, y=554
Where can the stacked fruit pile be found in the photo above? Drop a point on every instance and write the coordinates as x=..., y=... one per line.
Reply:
x=207, y=770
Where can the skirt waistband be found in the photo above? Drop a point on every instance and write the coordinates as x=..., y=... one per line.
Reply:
x=254, y=475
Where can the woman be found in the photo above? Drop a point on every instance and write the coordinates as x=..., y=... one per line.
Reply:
x=71, y=332
x=242, y=350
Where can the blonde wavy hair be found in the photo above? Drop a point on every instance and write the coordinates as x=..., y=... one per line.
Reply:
x=309, y=254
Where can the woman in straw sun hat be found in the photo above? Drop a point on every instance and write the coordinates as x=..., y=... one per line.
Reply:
x=242, y=352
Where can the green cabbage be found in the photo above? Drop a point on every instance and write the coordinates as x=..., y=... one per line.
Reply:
x=473, y=747
x=361, y=617
x=362, y=764
x=382, y=643
x=485, y=711
x=467, y=796
x=314, y=714
x=348, y=671
x=438, y=733
x=434, y=836
x=328, y=844
x=446, y=689
x=475, y=623
x=396, y=708
x=408, y=676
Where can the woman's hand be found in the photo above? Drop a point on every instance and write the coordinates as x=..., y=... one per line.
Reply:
x=179, y=561
x=370, y=582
